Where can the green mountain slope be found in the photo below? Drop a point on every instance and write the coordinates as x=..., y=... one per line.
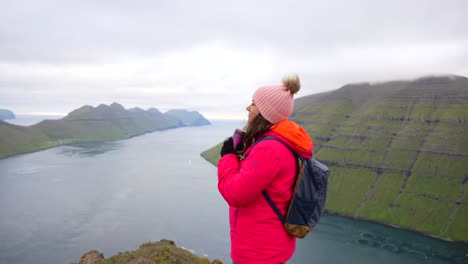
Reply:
x=398, y=152
x=85, y=124
x=188, y=118
x=19, y=139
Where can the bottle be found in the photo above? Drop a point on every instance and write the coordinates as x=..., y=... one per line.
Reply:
x=237, y=136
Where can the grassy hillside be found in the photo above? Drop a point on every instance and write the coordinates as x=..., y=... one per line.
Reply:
x=212, y=154
x=398, y=152
x=85, y=124
x=18, y=139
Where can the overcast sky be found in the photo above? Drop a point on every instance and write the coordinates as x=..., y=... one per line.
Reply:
x=210, y=56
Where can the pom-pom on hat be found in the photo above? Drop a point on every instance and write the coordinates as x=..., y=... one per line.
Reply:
x=275, y=103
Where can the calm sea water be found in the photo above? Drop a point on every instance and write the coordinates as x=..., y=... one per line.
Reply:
x=57, y=204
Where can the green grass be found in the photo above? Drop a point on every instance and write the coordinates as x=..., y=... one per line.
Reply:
x=383, y=109
x=16, y=139
x=421, y=213
x=416, y=128
x=359, y=142
x=385, y=191
x=448, y=138
x=407, y=141
x=212, y=155
x=400, y=159
x=451, y=111
x=446, y=144
x=343, y=157
x=435, y=186
x=329, y=154
x=450, y=129
x=437, y=165
x=336, y=107
x=421, y=111
x=458, y=229
x=364, y=158
x=347, y=188
x=378, y=144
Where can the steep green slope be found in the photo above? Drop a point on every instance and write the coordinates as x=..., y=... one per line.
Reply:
x=102, y=123
x=212, y=154
x=398, y=152
x=85, y=124
x=152, y=119
x=17, y=139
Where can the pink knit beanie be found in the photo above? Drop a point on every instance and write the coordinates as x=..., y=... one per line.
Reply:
x=275, y=103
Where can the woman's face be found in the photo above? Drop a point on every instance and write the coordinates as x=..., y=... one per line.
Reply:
x=253, y=112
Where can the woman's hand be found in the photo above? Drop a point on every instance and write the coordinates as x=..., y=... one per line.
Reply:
x=228, y=147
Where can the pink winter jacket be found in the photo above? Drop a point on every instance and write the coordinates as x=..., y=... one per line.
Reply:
x=257, y=234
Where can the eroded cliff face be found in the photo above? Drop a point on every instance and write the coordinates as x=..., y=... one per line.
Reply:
x=162, y=252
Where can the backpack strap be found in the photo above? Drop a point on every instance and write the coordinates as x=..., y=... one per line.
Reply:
x=298, y=158
x=273, y=206
x=280, y=140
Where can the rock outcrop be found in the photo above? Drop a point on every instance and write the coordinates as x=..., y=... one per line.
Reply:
x=162, y=252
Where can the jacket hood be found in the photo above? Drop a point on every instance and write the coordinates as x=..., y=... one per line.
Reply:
x=295, y=134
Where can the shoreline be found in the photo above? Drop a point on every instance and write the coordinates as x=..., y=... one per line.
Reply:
x=460, y=242
x=95, y=141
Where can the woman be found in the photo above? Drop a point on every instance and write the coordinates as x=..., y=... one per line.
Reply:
x=257, y=234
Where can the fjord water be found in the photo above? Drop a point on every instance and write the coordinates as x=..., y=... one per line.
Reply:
x=58, y=204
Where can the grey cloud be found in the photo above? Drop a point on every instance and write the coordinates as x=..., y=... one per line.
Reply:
x=93, y=30
x=328, y=43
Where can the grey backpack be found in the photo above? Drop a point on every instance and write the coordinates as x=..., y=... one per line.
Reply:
x=309, y=194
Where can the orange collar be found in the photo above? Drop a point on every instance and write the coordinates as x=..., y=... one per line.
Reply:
x=295, y=134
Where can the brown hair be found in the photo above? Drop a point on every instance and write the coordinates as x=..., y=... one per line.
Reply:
x=259, y=126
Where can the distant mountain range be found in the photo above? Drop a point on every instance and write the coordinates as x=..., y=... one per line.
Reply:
x=6, y=114
x=398, y=152
x=86, y=124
